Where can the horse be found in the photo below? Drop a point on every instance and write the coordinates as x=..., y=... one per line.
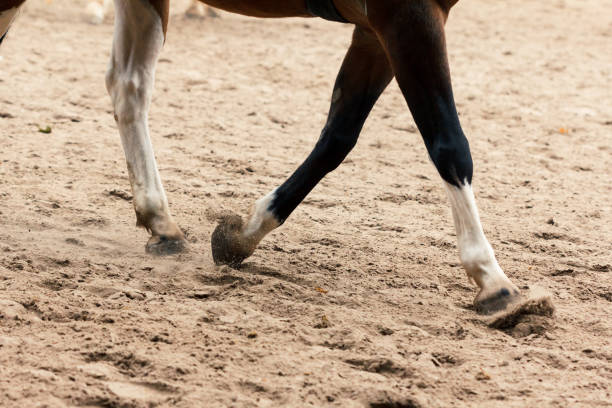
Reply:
x=397, y=39
x=98, y=9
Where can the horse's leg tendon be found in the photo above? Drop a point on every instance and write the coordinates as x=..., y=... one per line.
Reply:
x=413, y=36
x=364, y=75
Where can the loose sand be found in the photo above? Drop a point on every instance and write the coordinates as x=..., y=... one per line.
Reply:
x=359, y=300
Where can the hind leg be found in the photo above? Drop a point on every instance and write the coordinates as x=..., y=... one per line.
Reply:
x=365, y=73
x=8, y=12
x=413, y=35
x=139, y=37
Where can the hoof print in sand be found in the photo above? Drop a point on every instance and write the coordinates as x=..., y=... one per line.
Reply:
x=385, y=399
x=141, y=391
x=14, y=311
x=531, y=316
x=165, y=246
x=383, y=366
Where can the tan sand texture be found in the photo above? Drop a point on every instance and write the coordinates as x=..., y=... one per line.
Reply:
x=359, y=299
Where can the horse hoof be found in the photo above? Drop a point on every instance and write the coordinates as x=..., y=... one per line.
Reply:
x=493, y=301
x=228, y=245
x=163, y=245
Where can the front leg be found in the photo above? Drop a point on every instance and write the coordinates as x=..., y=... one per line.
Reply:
x=8, y=12
x=413, y=35
x=139, y=37
x=364, y=75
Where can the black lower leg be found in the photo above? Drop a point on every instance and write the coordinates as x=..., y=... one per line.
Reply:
x=413, y=34
x=365, y=73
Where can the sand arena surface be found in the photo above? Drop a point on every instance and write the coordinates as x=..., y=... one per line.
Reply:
x=359, y=300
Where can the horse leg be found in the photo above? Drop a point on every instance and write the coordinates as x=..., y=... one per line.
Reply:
x=365, y=73
x=413, y=36
x=8, y=12
x=139, y=37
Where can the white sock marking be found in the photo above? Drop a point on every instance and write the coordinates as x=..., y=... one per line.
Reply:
x=476, y=253
x=137, y=42
x=261, y=221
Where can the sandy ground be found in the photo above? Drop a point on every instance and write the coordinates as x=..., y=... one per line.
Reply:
x=359, y=300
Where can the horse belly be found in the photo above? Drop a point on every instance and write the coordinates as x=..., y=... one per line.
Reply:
x=262, y=8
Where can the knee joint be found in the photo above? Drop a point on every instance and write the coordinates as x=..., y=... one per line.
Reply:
x=129, y=93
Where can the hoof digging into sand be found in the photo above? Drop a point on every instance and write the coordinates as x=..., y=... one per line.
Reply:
x=163, y=246
x=501, y=299
x=531, y=315
x=227, y=244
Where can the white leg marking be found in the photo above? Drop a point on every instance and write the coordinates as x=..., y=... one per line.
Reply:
x=261, y=221
x=6, y=19
x=137, y=42
x=475, y=251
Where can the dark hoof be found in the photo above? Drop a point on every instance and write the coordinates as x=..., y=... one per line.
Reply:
x=163, y=245
x=532, y=314
x=228, y=244
x=496, y=301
